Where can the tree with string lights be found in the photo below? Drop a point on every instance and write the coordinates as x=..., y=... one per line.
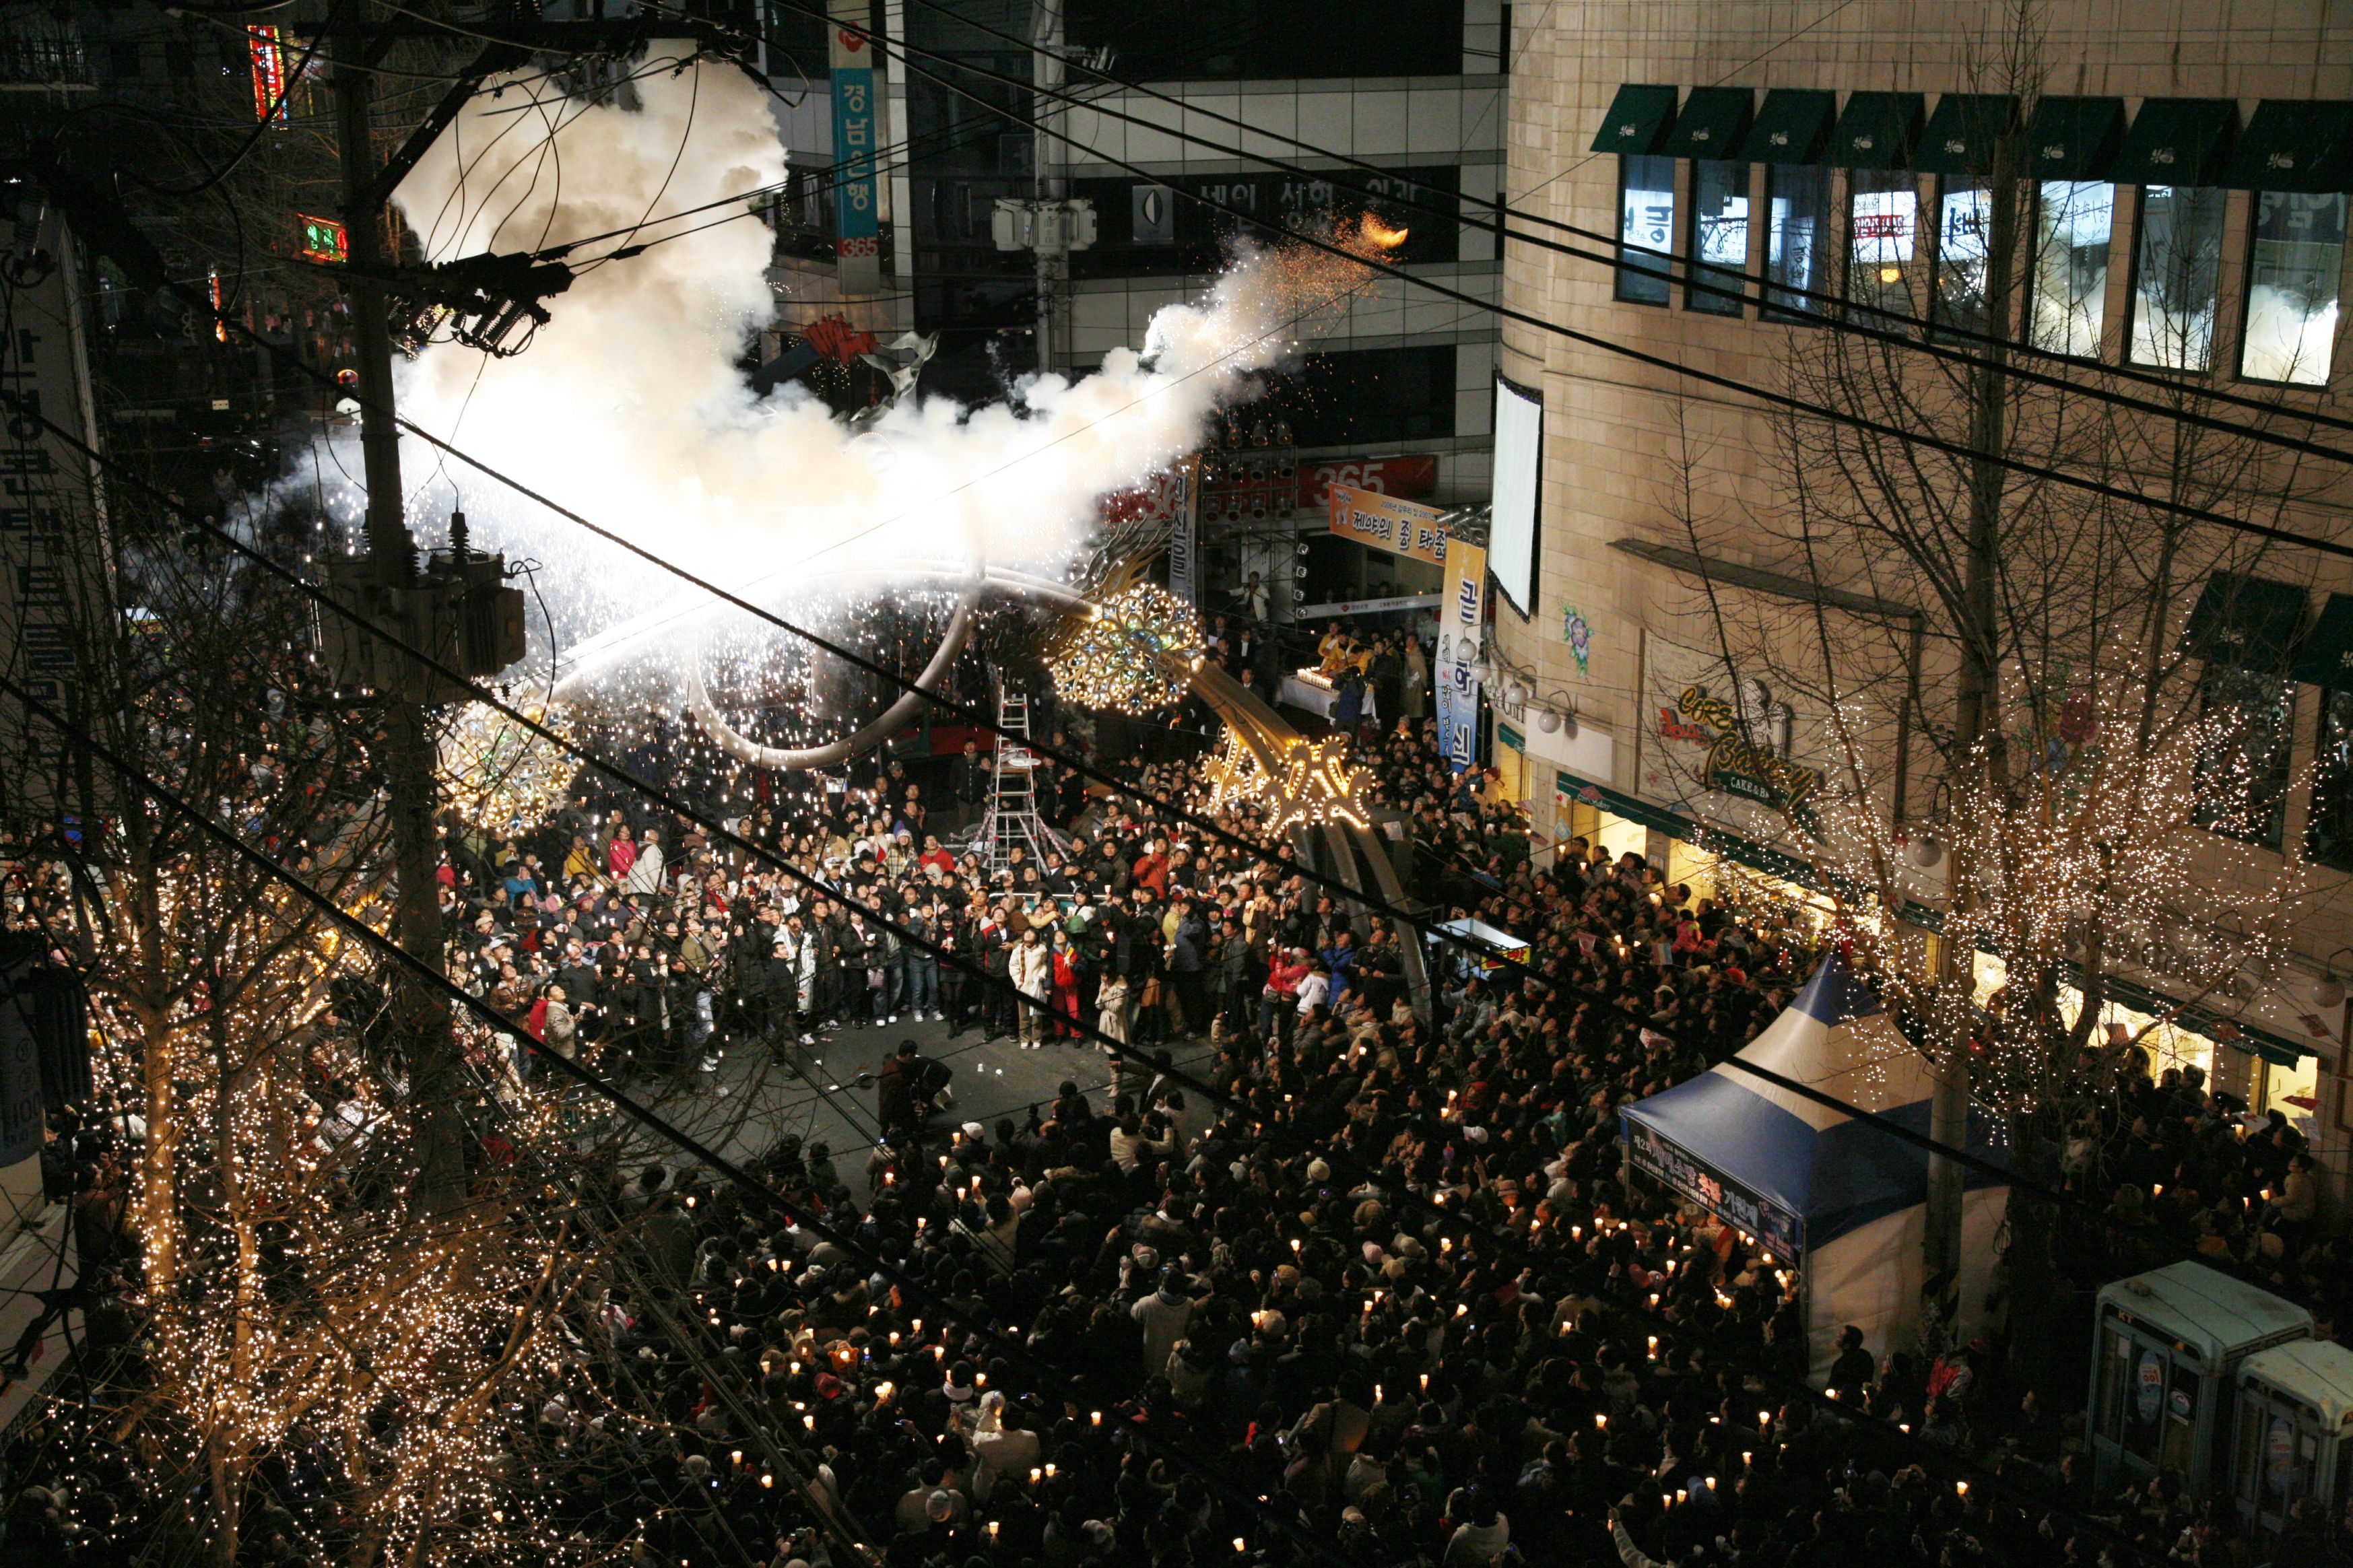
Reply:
x=2011, y=722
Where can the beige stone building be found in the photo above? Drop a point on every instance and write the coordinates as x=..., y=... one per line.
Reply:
x=2184, y=216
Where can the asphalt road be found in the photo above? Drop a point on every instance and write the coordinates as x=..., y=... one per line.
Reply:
x=756, y=1097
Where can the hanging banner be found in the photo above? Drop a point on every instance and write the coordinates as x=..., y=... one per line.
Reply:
x=858, y=220
x=1461, y=616
x=1184, y=531
x=1385, y=523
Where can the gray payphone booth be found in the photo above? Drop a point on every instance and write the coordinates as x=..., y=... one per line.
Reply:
x=2165, y=1356
x=2294, y=1436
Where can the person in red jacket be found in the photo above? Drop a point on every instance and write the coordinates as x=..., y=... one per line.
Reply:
x=1278, y=1009
x=1152, y=867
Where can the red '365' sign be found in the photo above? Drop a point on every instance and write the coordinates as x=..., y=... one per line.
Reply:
x=1408, y=479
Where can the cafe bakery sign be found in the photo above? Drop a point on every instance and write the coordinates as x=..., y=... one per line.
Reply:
x=1717, y=733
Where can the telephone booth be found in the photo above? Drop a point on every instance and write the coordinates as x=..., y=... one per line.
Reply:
x=2294, y=1436
x=2165, y=1358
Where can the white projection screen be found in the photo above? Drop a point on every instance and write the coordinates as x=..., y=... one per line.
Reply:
x=1511, y=531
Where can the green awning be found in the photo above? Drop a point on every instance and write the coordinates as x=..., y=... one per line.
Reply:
x=1876, y=131
x=2292, y=146
x=1790, y=126
x=2247, y=623
x=1636, y=121
x=2177, y=141
x=1712, y=123
x=1961, y=135
x=2074, y=138
x=2324, y=658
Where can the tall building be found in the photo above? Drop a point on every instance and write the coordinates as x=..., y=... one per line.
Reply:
x=1401, y=382
x=2181, y=177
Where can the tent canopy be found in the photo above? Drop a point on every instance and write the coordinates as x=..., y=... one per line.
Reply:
x=1789, y=1170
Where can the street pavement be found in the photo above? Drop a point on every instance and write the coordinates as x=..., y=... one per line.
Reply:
x=754, y=1098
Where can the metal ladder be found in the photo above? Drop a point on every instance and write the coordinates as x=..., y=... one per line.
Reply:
x=1012, y=815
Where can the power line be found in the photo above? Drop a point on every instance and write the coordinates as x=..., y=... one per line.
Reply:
x=1405, y=918
x=1283, y=861
x=1903, y=324
x=1590, y=340
x=1778, y=399
x=1403, y=1194
x=1047, y=1380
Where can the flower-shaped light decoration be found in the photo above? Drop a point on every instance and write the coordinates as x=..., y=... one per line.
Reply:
x=1134, y=654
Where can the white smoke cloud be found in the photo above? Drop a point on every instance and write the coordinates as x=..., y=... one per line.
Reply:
x=629, y=407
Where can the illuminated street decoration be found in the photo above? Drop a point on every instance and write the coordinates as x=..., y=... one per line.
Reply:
x=1310, y=781
x=1134, y=654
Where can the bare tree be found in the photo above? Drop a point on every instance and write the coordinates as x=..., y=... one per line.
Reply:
x=2086, y=773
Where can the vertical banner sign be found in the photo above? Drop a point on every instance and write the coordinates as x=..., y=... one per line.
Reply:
x=1461, y=616
x=858, y=220
x=1185, y=532
x=51, y=547
x=269, y=51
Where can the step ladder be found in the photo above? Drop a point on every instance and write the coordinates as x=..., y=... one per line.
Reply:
x=1012, y=819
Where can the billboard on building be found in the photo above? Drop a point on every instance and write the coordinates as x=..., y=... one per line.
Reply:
x=1734, y=745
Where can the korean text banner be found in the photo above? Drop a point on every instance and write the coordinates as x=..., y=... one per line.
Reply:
x=1386, y=522
x=857, y=220
x=1461, y=620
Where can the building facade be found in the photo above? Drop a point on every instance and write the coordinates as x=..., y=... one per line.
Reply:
x=2183, y=208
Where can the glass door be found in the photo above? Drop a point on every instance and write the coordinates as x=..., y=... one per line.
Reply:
x=2276, y=1460
x=2150, y=1403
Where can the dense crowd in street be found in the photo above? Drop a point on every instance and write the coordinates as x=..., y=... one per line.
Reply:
x=1369, y=1284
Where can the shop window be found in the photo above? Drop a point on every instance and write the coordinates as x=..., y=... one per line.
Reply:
x=1798, y=223
x=2071, y=220
x=1882, y=243
x=1964, y=218
x=1646, y=219
x=2328, y=829
x=1719, y=240
x=2293, y=267
x=2177, y=277
x=2242, y=755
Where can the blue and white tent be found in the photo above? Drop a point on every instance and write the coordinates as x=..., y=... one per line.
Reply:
x=1840, y=1198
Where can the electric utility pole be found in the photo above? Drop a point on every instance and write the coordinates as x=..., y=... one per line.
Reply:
x=388, y=579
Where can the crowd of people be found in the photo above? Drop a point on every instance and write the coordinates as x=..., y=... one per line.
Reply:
x=1368, y=1284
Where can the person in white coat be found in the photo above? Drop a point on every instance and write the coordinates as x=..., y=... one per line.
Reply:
x=1031, y=969
x=645, y=877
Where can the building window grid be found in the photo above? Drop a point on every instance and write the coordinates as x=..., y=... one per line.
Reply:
x=1883, y=248
x=2067, y=305
x=2242, y=764
x=2328, y=822
x=2291, y=292
x=1646, y=223
x=1964, y=219
x=1718, y=246
x=2177, y=277
x=1798, y=222
x=2296, y=266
